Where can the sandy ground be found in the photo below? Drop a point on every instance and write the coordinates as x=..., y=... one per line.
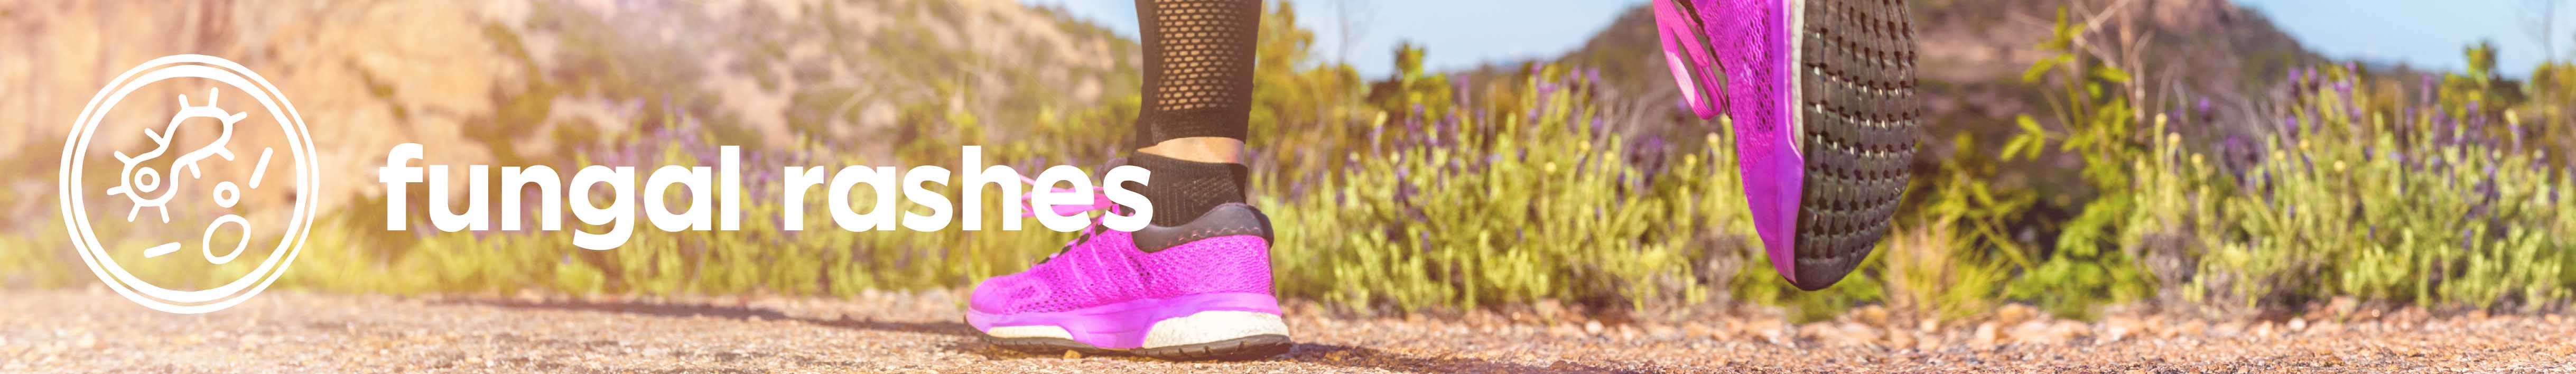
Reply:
x=90, y=331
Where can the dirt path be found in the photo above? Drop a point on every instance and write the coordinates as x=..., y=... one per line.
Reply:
x=88, y=331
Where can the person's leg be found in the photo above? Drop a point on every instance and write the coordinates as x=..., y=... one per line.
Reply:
x=1195, y=283
x=1197, y=104
x=1203, y=149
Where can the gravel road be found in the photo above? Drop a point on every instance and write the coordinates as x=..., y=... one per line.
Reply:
x=92, y=330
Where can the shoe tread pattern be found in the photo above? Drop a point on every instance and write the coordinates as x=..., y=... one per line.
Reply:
x=1861, y=123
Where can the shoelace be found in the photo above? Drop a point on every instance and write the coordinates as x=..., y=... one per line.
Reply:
x=1099, y=202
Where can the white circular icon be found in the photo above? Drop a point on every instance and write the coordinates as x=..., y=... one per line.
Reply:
x=146, y=187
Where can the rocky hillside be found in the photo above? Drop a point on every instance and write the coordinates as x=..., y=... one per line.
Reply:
x=516, y=83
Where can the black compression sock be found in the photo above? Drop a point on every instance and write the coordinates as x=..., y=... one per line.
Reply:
x=1198, y=68
x=1182, y=190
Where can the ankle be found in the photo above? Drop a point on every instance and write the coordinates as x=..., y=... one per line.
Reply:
x=1182, y=190
x=1199, y=149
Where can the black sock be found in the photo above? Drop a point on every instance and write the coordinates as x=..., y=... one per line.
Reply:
x=1182, y=190
x=1198, y=68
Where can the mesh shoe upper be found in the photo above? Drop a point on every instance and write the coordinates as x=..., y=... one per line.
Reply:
x=1109, y=268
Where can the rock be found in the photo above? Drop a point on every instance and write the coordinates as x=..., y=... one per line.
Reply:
x=1987, y=336
x=2070, y=330
x=1873, y=315
x=1696, y=329
x=1815, y=331
x=2264, y=330
x=2342, y=307
x=1481, y=318
x=1929, y=341
x=1847, y=334
x=2013, y=314
x=1662, y=332
x=2414, y=316
x=2298, y=324
x=2045, y=333
x=2327, y=327
x=2229, y=329
x=1562, y=330
x=1900, y=339
x=2192, y=328
x=2116, y=328
x=1773, y=331
x=1592, y=327
x=1072, y=354
x=1860, y=334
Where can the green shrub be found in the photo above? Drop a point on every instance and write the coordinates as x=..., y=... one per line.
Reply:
x=2409, y=204
x=1513, y=199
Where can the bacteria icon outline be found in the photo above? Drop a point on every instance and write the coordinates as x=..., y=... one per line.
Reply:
x=145, y=185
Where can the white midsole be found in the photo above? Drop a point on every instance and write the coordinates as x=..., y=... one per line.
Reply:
x=1213, y=326
x=1041, y=331
x=1797, y=67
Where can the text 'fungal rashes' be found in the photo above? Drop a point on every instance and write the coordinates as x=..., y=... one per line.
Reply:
x=715, y=195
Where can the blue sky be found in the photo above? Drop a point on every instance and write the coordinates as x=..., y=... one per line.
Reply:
x=2425, y=33
x=1462, y=33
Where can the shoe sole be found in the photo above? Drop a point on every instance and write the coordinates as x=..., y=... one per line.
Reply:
x=1237, y=349
x=1223, y=326
x=1854, y=128
x=1857, y=125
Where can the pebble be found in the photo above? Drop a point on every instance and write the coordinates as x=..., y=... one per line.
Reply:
x=1562, y=330
x=2190, y=328
x=2116, y=328
x=1929, y=341
x=2039, y=332
x=1697, y=329
x=1856, y=335
x=2343, y=307
x=1873, y=315
x=2228, y=329
x=2012, y=314
x=1775, y=333
x=1988, y=335
x=1549, y=308
x=1662, y=332
x=2327, y=327
x=2070, y=330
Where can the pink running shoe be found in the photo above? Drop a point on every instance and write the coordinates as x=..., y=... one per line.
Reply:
x=1199, y=291
x=1821, y=93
